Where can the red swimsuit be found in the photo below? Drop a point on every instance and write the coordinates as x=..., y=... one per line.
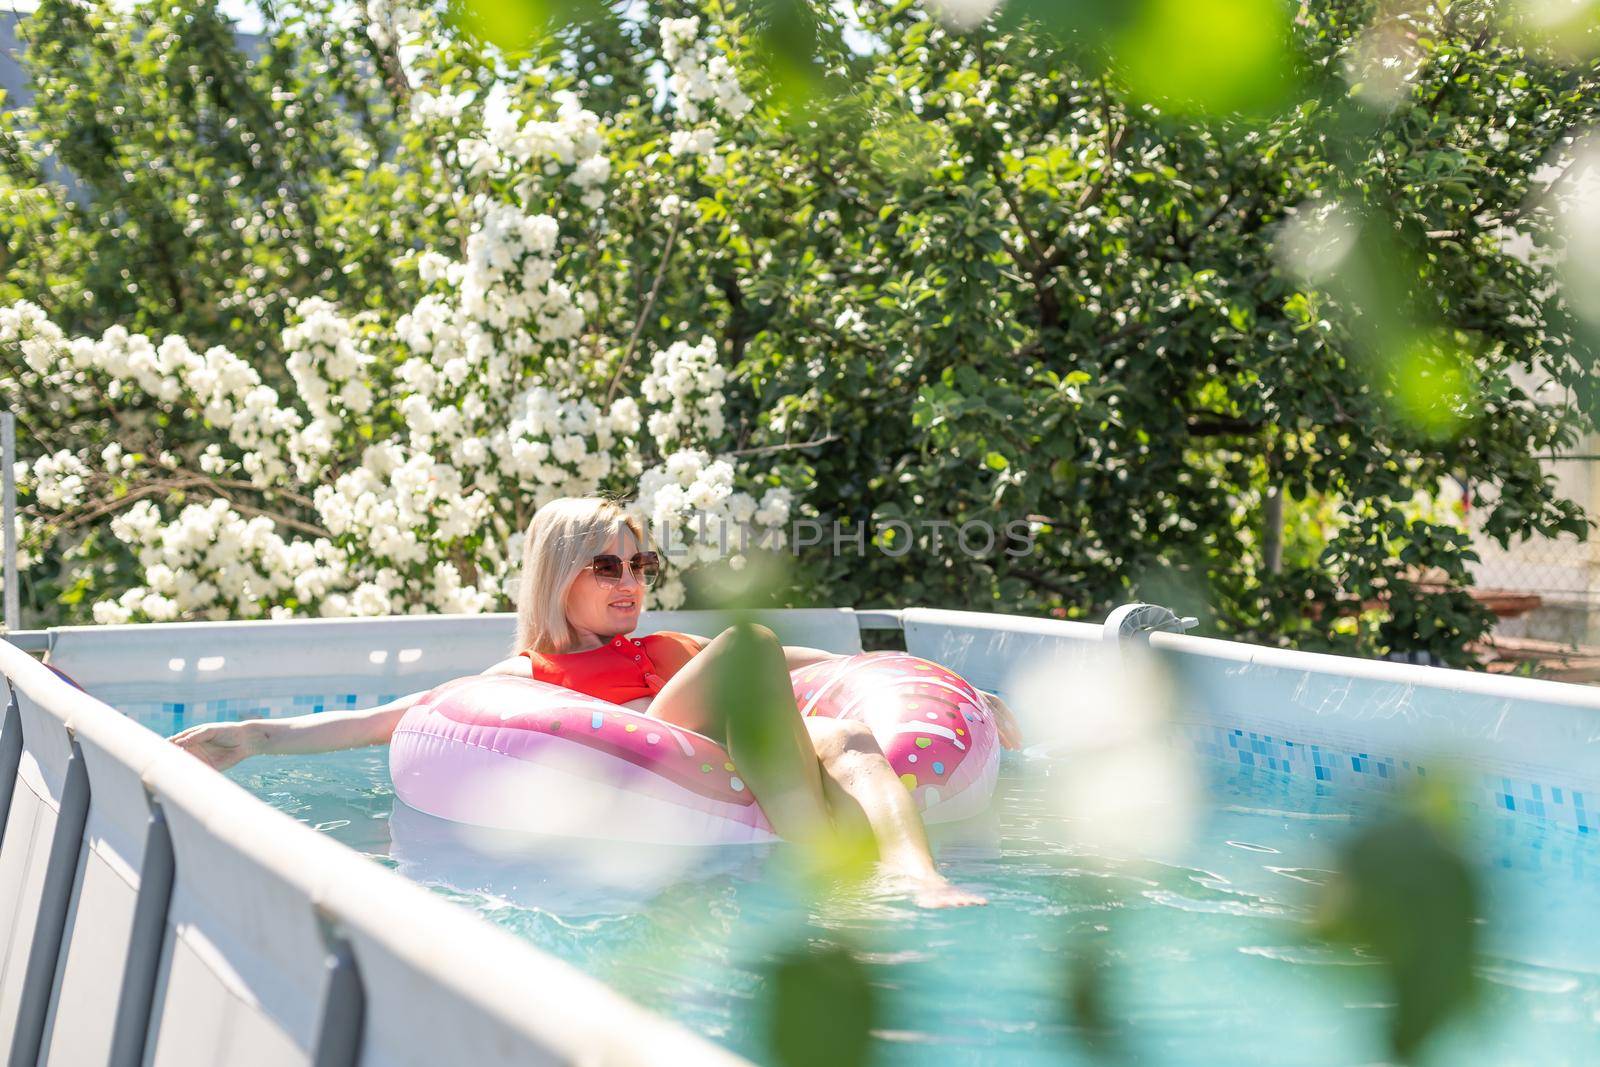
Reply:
x=623, y=669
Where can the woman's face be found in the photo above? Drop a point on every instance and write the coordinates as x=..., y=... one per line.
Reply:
x=607, y=610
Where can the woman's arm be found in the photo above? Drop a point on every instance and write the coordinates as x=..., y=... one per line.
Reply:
x=329, y=730
x=222, y=744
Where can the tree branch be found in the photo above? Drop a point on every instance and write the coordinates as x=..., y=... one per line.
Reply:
x=1210, y=424
x=644, y=312
x=107, y=507
x=1091, y=196
x=1210, y=220
x=1046, y=582
x=235, y=483
x=790, y=447
x=1049, y=306
x=1048, y=259
x=1039, y=250
x=729, y=285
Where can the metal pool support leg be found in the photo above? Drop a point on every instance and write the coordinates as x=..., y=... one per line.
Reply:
x=10, y=756
x=344, y=1006
x=61, y=871
x=140, y=971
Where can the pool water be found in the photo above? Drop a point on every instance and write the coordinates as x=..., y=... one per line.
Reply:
x=1203, y=957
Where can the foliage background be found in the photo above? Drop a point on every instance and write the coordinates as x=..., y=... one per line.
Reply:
x=1145, y=276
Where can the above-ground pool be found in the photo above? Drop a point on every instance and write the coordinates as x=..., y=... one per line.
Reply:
x=1205, y=954
x=1192, y=949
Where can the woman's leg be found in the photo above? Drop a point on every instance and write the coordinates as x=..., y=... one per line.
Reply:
x=737, y=692
x=862, y=787
x=807, y=773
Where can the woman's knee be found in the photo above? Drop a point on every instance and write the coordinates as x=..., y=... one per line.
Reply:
x=755, y=632
x=754, y=639
x=840, y=741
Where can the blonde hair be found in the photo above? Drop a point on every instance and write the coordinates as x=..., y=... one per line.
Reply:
x=563, y=538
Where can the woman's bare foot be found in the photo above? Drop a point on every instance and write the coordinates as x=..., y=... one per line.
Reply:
x=929, y=889
x=938, y=893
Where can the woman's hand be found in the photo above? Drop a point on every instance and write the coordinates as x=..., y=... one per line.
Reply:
x=220, y=744
x=1005, y=721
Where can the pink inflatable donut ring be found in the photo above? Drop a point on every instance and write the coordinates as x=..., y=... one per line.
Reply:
x=933, y=726
x=512, y=753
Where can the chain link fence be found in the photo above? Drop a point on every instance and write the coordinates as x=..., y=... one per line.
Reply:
x=1548, y=589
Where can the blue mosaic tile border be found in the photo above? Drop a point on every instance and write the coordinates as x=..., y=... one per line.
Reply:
x=1329, y=766
x=1322, y=763
x=1336, y=767
x=169, y=716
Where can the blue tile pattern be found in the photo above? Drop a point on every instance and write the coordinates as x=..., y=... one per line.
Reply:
x=1332, y=768
x=165, y=716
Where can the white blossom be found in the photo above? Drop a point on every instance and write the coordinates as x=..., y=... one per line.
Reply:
x=704, y=87
x=482, y=368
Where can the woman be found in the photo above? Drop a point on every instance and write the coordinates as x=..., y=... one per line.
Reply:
x=584, y=575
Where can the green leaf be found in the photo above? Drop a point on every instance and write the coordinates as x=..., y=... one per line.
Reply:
x=1209, y=56
x=1404, y=891
x=823, y=1008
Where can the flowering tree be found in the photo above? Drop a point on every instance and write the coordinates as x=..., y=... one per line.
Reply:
x=1215, y=330
x=412, y=448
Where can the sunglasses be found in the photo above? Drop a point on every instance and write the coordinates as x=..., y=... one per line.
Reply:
x=608, y=568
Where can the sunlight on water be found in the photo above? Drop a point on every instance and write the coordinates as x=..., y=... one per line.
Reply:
x=1205, y=955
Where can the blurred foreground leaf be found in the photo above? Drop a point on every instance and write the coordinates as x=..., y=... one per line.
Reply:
x=1088, y=1002
x=823, y=1009
x=1404, y=890
x=787, y=36
x=1210, y=57
x=1434, y=383
x=1200, y=57
x=1083, y=22
x=1570, y=29
x=752, y=695
x=759, y=580
x=513, y=25
x=1422, y=372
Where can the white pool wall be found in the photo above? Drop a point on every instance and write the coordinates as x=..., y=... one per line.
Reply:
x=1519, y=745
